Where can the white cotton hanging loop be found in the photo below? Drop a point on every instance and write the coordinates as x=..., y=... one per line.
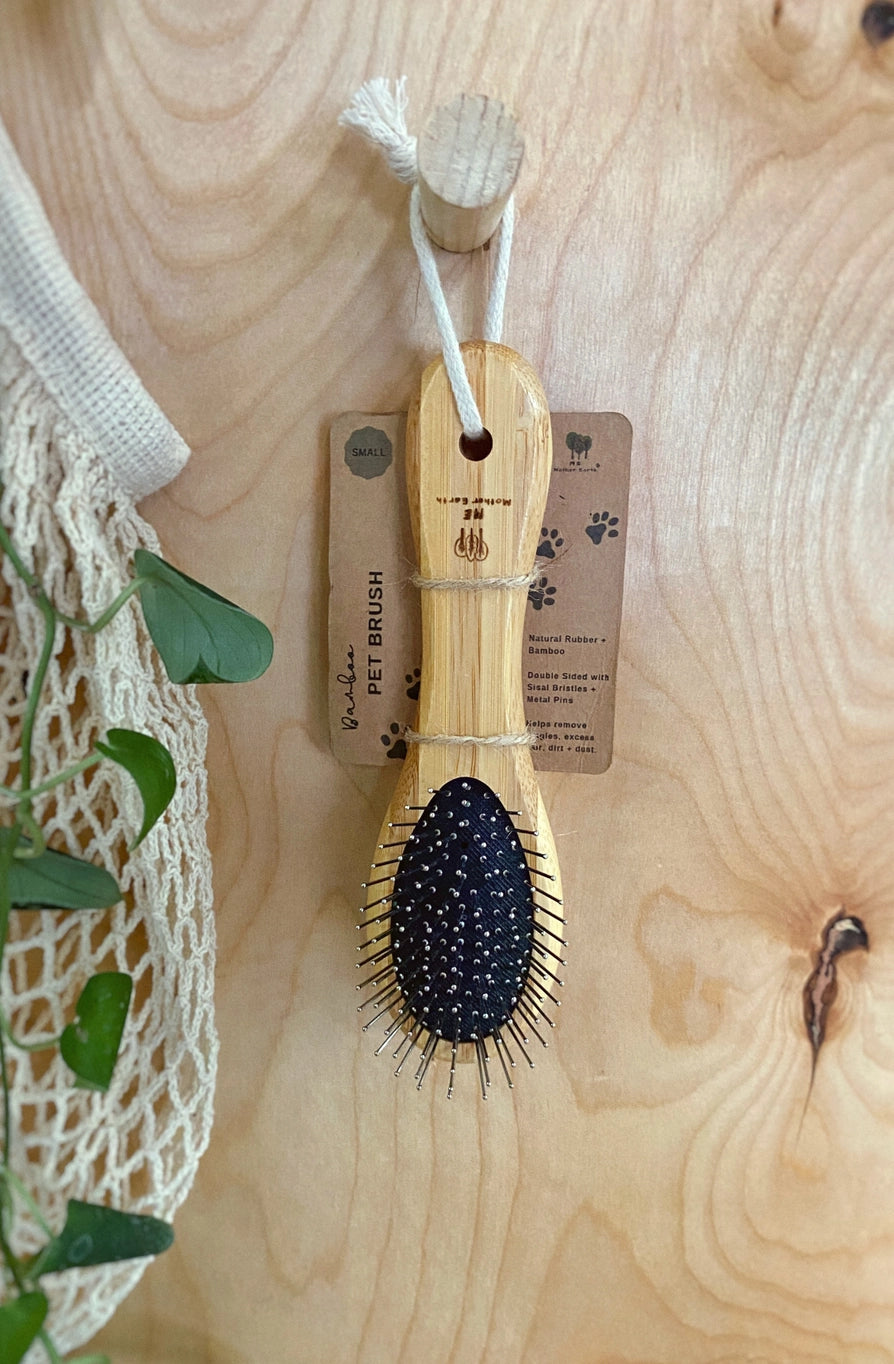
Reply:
x=493, y=318
x=377, y=113
x=466, y=405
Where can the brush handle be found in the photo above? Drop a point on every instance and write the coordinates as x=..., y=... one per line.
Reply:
x=476, y=519
x=471, y=685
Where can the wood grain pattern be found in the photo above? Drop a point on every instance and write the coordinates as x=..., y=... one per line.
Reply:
x=470, y=153
x=472, y=641
x=706, y=243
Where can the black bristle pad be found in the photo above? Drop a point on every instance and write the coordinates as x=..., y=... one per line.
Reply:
x=462, y=914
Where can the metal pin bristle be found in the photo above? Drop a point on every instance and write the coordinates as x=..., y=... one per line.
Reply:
x=370, y=942
x=520, y=1039
x=389, y=1004
x=500, y=1039
x=542, y=909
x=424, y=1064
x=411, y=1041
x=398, y=1023
x=379, y=919
x=377, y=998
x=545, y=971
x=379, y=881
x=374, y=960
x=541, y=928
x=482, y=1074
x=383, y=899
x=386, y=1004
x=526, y=1012
x=452, y=1067
x=498, y=1045
x=543, y=990
x=548, y=952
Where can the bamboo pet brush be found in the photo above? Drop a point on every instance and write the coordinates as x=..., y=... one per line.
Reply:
x=463, y=917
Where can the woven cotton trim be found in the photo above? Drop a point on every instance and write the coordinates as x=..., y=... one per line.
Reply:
x=65, y=341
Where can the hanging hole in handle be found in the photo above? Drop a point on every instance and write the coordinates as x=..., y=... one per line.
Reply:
x=476, y=447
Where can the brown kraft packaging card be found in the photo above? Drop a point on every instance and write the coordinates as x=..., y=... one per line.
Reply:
x=573, y=613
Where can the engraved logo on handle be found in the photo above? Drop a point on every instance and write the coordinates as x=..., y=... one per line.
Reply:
x=470, y=544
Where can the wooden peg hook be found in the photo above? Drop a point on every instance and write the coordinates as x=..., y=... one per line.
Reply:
x=470, y=153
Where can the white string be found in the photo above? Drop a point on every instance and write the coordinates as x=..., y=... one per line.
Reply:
x=474, y=584
x=466, y=405
x=525, y=738
x=377, y=113
x=493, y=318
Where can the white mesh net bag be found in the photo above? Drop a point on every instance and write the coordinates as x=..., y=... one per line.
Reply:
x=80, y=442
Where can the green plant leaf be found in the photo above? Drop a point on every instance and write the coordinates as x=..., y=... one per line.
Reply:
x=200, y=636
x=151, y=766
x=53, y=880
x=90, y=1044
x=94, y=1235
x=91, y=1359
x=20, y=1320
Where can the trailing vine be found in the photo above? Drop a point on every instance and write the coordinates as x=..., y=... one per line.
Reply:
x=200, y=637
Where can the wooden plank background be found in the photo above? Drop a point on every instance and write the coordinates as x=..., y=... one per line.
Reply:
x=706, y=243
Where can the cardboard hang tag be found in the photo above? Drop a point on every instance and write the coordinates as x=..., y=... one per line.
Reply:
x=573, y=615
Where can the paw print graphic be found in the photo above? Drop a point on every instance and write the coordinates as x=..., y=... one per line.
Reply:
x=412, y=681
x=396, y=746
x=603, y=525
x=550, y=541
x=540, y=594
